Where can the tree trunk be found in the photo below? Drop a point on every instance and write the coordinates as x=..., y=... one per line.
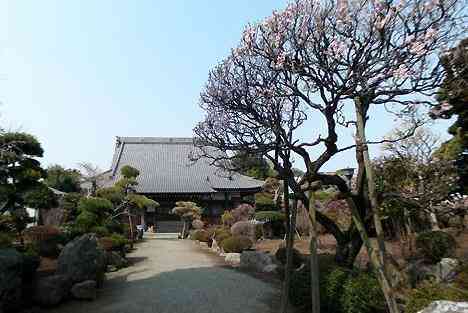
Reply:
x=184, y=225
x=381, y=250
x=314, y=266
x=434, y=222
x=289, y=236
x=130, y=224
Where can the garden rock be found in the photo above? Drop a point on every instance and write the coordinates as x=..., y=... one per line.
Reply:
x=85, y=290
x=82, y=259
x=445, y=269
x=10, y=280
x=255, y=260
x=446, y=307
x=232, y=258
x=116, y=260
x=51, y=290
x=442, y=271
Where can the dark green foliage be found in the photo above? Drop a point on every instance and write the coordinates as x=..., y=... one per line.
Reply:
x=252, y=165
x=20, y=177
x=70, y=204
x=341, y=290
x=236, y=244
x=86, y=220
x=297, y=258
x=454, y=91
x=114, y=226
x=221, y=233
x=66, y=180
x=435, y=245
x=40, y=197
x=129, y=172
x=6, y=240
x=118, y=241
x=100, y=231
x=114, y=194
x=270, y=216
x=362, y=294
x=98, y=206
x=428, y=292
x=264, y=202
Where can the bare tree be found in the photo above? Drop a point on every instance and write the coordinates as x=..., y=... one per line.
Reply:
x=90, y=174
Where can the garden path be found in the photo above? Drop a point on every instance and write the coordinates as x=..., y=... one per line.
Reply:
x=176, y=276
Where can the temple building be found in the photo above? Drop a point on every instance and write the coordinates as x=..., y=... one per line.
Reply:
x=168, y=174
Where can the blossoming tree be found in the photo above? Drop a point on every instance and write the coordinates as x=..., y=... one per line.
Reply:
x=313, y=60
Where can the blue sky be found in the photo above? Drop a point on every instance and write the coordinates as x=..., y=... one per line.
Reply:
x=78, y=73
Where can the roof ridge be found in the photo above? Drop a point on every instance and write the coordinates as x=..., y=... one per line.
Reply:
x=159, y=140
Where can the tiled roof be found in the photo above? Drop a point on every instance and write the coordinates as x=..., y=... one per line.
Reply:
x=165, y=167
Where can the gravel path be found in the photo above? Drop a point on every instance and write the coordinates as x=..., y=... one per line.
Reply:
x=176, y=276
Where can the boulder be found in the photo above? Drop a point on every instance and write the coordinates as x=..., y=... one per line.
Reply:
x=115, y=259
x=85, y=290
x=446, y=269
x=82, y=259
x=446, y=307
x=51, y=290
x=272, y=268
x=11, y=263
x=256, y=260
x=232, y=258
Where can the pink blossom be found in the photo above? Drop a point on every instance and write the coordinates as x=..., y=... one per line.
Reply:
x=280, y=60
x=431, y=34
x=402, y=72
x=337, y=48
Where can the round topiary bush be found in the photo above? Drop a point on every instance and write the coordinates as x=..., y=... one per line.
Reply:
x=236, y=244
x=435, y=245
x=243, y=228
x=221, y=233
x=201, y=235
x=297, y=259
x=362, y=294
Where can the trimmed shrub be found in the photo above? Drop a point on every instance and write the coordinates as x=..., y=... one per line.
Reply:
x=362, y=294
x=270, y=216
x=198, y=224
x=236, y=244
x=243, y=228
x=221, y=233
x=300, y=294
x=297, y=259
x=201, y=235
x=227, y=219
x=428, y=292
x=264, y=202
x=113, y=242
x=114, y=226
x=86, y=220
x=100, y=231
x=243, y=212
x=435, y=245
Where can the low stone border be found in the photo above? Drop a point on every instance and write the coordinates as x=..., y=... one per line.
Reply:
x=252, y=260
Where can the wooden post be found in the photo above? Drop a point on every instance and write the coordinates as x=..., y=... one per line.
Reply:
x=287, y=270
x=314, y=266
x=381, y=251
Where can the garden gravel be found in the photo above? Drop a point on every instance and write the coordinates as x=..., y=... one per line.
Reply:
x=177, y=276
